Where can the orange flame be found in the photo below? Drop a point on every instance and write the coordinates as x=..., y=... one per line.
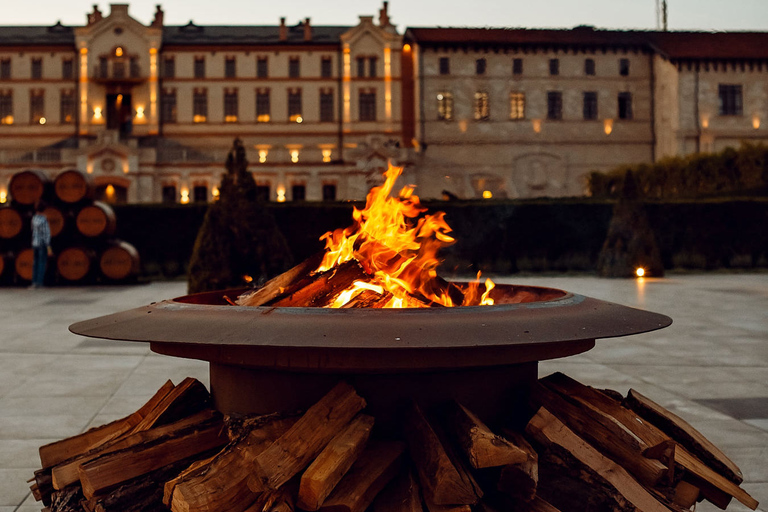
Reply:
x=397, y=244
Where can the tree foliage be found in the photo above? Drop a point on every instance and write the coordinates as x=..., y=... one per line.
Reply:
x=239, y=241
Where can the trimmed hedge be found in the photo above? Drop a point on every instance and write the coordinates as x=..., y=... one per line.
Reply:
x=492, y=236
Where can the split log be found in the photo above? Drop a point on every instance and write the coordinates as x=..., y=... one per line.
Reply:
x=575, y=476
x=322, y=287
x=295, y=449
x=682, y=432
x=483, y=448
x=443, y=477
x=368, y=299
x=101, y=474
x=273, y=501
x=67, y=473
x=686, y=494
x=278, y=285
x=372, y=471
x=67, y=500
x=520, y=480
x=706, y=478
x=221, y=482
x=189, y=397
x=402, y=494
x=56, y=453
x=334, y=461
x=42, y=488
x=603, y=432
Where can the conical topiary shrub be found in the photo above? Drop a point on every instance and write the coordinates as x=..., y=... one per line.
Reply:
x=630, y=243
x=239, y=241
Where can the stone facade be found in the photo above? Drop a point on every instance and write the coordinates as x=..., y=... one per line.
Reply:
x=152, y=110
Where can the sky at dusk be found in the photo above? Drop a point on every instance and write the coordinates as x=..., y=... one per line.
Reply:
x=638, y=14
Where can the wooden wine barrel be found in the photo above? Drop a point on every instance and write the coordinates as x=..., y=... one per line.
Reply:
x=11, y=223
x=73, y=186
x=25, y=261
x=119, y=261
x=74, y=263
x=27, y=187
x=97, y=219
x=55, y=220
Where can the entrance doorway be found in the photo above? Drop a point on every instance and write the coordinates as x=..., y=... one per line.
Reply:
x=119, y=113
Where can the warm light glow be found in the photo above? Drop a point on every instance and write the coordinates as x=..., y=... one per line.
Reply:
x=97, y=112
x=388, y=83
x=118, y=52
x=755, y=122
x=247, y=279
x=326, y=155
x=297, y=118
x=262, y=156
x=705, y=122
x=7, y=119
x=295, y=156
x=110, y=192
x=640, y=272
x=263, y=118
x=347, y=78
x=42, y=120
x=184, y=195
x=139, y=112
x=3, y=196
x=536, y=125
x=396, y=243
x=281, y=194
x=487, y=194
x=198, y=118
x=406, y=47
x=608, y=126
x=215, y=193
x=84, y=90
x=230, y=119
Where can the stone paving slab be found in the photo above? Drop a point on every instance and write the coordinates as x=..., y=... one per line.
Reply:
x=707, y=367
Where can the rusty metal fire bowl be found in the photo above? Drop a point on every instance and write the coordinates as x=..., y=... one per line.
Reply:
x=267, y=359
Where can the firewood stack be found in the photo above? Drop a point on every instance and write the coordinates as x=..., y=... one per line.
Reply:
x=583, y=449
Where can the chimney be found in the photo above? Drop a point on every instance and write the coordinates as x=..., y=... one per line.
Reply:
x=283, y=30
x=384, y=15
x=307, y=30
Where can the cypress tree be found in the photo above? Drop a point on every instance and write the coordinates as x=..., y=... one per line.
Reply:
x=239, y=239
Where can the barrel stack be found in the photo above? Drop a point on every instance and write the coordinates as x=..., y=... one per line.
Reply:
x=85, y=250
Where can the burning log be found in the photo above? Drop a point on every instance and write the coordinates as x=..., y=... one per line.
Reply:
x=372, y=471
x=444, y=479
x=334, y=461
x=277, y=285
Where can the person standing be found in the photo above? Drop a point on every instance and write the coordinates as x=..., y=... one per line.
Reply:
x=41, y=244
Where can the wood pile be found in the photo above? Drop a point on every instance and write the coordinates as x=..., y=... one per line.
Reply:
x=82, y=232
x=582, y=449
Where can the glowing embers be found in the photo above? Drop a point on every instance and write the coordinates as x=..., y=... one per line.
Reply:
x=396, y=243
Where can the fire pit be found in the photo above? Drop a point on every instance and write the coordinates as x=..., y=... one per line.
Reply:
x=479, y=355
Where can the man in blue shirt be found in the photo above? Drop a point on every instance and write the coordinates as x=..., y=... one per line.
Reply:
x=41, y=244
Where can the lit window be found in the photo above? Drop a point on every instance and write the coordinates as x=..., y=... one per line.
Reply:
x=482, y=108
x=37, y=106
x=294, y=105
x=445, y=106
x=516, y=105
x=6, y=106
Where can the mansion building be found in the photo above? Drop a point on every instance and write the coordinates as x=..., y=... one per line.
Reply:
x=150, y=112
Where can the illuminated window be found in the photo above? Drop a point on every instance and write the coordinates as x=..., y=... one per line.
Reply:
x=5, y=69
x=230, y=105
x=482, y=107
x=199, y=67
x=326, y=69
x=730, y=100
x=6, y=106
x=445, y=106
x=200, y=106
x=327, y=156
x=624, y=67
x=326, y=106
x=625, y=105
x=554, y=105
x=294, y=105
x=367, y=105
x=590, y=105
x=445, y=66
x=37, y=106
x=67, y=106
x=37, y=69
x=262, y=106
x=168, y=106
x=230, y=71
x=169, y=67
x=554, y=66
x=298, y=192
x=589, y=66
x=294, y=68
x=517, y=66
x=517, y=105
x=262, y=69
x=480, y=65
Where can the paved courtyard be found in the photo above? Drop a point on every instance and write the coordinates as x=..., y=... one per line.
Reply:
x=710, y=367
